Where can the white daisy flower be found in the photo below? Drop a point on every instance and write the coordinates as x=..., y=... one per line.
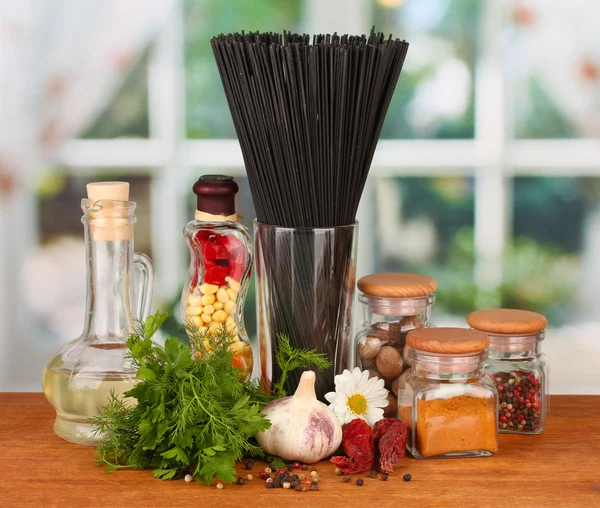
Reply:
x=357, y=396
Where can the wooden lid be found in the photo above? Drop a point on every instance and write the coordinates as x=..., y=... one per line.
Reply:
x=397, y=285
x=508, y=321
x=448, y=340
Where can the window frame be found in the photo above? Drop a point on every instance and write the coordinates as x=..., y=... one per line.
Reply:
x=492, y=158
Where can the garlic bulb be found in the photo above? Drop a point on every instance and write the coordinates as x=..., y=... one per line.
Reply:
x=302, y=427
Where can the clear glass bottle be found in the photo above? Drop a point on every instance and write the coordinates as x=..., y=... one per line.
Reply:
x=78, y=379
x=517, y=366
x=393, y=305
x=448, y=401
x=220, y=266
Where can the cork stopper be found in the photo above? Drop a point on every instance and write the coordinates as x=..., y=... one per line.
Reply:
x=216, y=198
x=507, y=321
x=113, y=191
x=112, y=221
x=448, y=341
x=397, y=285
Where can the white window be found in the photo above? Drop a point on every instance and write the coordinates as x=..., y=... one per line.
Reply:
x=487, y=175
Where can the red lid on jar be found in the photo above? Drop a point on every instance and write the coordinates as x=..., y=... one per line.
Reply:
x=216, y=194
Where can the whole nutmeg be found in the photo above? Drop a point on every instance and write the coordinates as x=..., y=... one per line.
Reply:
x=381, y=331
x=369, y=347
x=391, y=410
x=395, y=336
x=367, y=363
x=410, y=323
x=389, y=362
x=407, y=355
x=373, y=373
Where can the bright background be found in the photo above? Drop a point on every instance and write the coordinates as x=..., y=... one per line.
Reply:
x=487, y=176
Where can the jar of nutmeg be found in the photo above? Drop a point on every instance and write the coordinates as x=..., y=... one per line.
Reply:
x=393, y=305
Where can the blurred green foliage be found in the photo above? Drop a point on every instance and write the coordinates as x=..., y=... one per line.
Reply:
x=540, y=265
x=449, y=32
x=207, y=111
x=126, y=116
x=535, y=277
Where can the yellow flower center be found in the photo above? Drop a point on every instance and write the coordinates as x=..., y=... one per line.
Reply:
x=357, y=404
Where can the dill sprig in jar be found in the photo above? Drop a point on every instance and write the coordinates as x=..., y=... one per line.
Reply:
x=447, y=400
x=517, y=366
x=393, y=305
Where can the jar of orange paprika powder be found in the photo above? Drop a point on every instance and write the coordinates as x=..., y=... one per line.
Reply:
x=447, y=400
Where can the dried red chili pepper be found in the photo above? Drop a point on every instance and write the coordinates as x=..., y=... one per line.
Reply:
x=357, y=441
x=390, y=442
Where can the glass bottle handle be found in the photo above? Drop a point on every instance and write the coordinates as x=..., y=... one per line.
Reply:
x=143, y=265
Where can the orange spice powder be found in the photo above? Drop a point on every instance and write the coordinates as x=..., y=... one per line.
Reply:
x=458, y=424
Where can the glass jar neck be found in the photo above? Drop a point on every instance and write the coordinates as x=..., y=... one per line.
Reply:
x=441, y=367
x=109, y=256
x=515, y=347
x=381, y=309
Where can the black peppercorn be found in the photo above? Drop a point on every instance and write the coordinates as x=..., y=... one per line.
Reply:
x=290, y=467
x=241, y=481
x=314, y=486
x=297, y=487
x=304, y=467
x=346, y=479
x=270, y=485
x=384, y=477
x=249, y=464
x=407, y=477
x=359, y=482
x=373, y=474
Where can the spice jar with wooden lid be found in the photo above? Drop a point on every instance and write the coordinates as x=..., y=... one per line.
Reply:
x=448, y=401
x=393, y=305
x=517, y=366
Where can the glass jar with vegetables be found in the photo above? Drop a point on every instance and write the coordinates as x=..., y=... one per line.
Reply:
x=393, y=305
x=517, y=366
x=448, y=401
x=220, y=266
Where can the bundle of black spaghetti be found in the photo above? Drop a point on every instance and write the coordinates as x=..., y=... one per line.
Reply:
x=308, y=114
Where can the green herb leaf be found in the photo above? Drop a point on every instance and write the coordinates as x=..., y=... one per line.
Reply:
x=220, y=464
x=194, y=415
x=289, y=359
x=190, y=413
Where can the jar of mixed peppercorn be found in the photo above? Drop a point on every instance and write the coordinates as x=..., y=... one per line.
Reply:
x=517, y=366
x=393, y=305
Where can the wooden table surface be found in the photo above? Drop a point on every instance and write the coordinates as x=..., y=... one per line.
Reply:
x=560, y=467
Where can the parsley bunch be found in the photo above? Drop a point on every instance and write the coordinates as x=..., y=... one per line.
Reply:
x=191, y=415
x=196, y=415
